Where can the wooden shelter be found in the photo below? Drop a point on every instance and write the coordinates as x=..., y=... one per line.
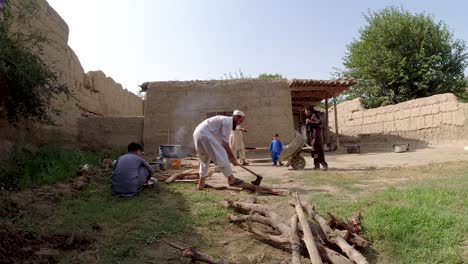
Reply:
x=312, y=92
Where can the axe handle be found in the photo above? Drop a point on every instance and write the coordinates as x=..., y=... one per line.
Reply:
x=258, y=176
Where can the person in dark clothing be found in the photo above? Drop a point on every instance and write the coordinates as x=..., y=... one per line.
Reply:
x=314, y=136
x=130, y=172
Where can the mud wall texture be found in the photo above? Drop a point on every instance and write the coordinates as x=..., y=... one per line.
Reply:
x=431, y=120
x=174, y=109
x=107, y=133
x=95, y=94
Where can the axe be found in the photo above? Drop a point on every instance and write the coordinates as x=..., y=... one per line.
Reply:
x=259, y=178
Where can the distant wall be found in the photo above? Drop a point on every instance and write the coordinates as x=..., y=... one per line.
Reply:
x=98, y=133
x=95, y=94
x=174, y=109
x=430, y=120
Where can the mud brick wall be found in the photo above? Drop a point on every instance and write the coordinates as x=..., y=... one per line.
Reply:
x=435, y=119
x=174, y=109
x=95, y=94
x=104, y=133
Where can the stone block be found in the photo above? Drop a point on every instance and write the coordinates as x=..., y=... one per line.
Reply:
x=437, y=119
x=426, y=110
x=419, y=120
x=376, y=128
x=389, y=116
x=402, y=124
x=389, y=126
x=435, y=108
x=449, y=106
x=357, y=114
x=458, y=118
x=429, y=121
x=416, y=111
x=358, y=121
x=447, y=118
x=406, y=113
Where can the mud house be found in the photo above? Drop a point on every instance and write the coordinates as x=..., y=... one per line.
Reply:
x=173, y=109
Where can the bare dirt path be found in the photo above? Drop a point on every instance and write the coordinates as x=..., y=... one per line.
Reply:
x=340, y=161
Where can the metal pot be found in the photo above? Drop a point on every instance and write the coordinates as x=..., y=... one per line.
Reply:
x=171, y=151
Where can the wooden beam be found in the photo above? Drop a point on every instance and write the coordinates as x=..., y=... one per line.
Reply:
x=317, y=88
x=335, y=111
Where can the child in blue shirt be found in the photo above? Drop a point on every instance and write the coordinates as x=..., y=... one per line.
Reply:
x=275, y=149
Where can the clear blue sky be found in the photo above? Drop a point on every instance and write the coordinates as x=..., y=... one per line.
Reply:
x=158, y=40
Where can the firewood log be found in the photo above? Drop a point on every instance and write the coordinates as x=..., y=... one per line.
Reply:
x=295, y=242
x=308, y=237
x=333, y=237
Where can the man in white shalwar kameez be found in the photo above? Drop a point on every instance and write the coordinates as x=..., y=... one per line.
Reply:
x=236, y=143
x=211, y=139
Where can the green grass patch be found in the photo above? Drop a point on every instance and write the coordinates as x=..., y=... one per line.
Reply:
x=48, y=164
x=124, y=228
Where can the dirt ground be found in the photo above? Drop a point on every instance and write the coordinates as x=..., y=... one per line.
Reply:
x=341, y=161
x=45, y=249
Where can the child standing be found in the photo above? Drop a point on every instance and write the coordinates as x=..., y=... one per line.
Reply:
x=275, y=149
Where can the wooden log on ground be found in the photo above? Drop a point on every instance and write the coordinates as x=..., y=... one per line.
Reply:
x=195, y=255
x=160, y=177
x=331, y=256
x=194, y=176
x=333, y=237
x=221, y=188
x=263, y=210
x=186, y=181
x=295, y=242
x=353, y=238
x=355, y=222
x=177, y=176
x=308, y=237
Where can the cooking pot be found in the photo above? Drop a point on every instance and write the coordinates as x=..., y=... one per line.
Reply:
x=171, y=151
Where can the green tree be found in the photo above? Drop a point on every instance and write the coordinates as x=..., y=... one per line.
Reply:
x=27, y=84
x=401, y=56
x=270, y=76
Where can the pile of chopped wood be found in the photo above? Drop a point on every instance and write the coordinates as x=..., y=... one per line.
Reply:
x=333, y=241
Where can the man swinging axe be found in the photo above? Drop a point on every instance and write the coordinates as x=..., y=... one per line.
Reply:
x=211, y=139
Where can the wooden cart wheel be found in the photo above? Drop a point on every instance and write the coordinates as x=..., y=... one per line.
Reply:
x=298, y=163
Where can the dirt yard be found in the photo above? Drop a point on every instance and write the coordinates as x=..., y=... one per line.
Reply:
x=341, y=161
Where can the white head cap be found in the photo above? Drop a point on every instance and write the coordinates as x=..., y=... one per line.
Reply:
x=238, y=112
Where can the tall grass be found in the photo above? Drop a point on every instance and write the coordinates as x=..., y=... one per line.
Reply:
x=47, y=165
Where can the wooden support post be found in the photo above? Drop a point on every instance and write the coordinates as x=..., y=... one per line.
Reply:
x=335, y=111
x=326, y=122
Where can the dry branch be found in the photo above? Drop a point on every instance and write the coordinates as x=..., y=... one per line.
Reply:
x=262, y=210
x=333, y=237
x=178, y=176
x=282, y=238
x=187, y=181
x=195, y=255
x=160, y=177
x=295, y=242
x=352, y=228
x=356, y=222
x=331, y=256
x=308, y=237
